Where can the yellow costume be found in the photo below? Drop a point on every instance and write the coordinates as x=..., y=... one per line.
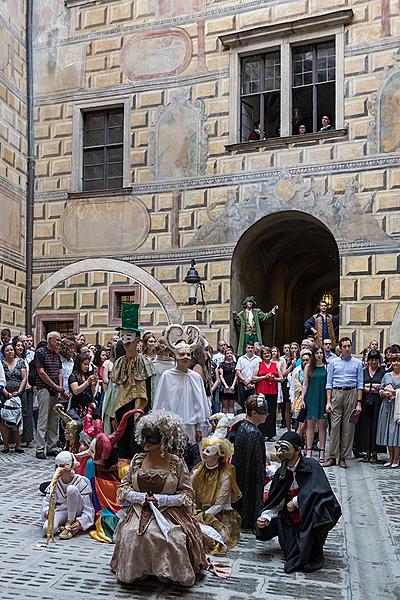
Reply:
x=215, y=490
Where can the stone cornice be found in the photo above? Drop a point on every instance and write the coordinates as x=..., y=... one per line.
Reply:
x=129, y=88
x=247, y=178
x=280, y=29
x=14, y=189
x=12, y=88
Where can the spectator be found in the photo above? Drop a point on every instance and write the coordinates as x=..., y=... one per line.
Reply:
x=83, y=386
x=267, y=375
x=327, y=346
x=228, y=378
x=388, y=431
x=344, y=388
x=49, y=383
x=5, y=337
x=219, y=357
x=286, y=370
x=16, y=378
x=302, y=129
x=27, y=395
x=255, y=134
x=367, y=424
x=314, y=396
x=29, y=353
x=149, y=346
x=244, y=370
x=326, y=124
x=296, y=391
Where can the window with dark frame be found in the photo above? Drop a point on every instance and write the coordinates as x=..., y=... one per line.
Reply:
x=103, y=133
x=120, y=298
x=260, y=101
x=313, y=86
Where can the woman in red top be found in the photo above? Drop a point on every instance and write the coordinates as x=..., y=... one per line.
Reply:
x=267, y=375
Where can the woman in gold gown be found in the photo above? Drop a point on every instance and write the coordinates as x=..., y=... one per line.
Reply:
x=215, y=488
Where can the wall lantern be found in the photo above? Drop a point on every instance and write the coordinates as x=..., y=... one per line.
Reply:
x=328, y=298
x=194, y=280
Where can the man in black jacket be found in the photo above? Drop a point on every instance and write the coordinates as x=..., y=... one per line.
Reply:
x=301, y=508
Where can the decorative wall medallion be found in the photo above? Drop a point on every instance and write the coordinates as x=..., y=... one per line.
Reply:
x=178, y=146
x=177, y=8
x=154, y=54
x=349, y=219
x=93, y=225
x=384, y=129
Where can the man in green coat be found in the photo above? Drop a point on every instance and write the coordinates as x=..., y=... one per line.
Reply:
x=248, y=321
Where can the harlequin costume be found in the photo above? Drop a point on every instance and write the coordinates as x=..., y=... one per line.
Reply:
x=302, y=532
x=215, y=490
x=105, y=475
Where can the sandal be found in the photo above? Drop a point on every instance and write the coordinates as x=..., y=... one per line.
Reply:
x=322, y=456
x=308, y=450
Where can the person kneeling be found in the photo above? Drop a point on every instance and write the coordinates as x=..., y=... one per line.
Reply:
x=215, y=488
x=68, y=501
x=301, y=508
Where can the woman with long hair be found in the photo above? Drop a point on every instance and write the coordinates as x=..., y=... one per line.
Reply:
x=11, y=404
x=228, y=378
x=201, y=364
x=83, y=387
x=149, y=346
x=314, y=397
x=267, y=375
x=388, y=431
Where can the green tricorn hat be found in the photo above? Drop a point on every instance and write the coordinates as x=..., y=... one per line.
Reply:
x=130, y=317
x=249, y=299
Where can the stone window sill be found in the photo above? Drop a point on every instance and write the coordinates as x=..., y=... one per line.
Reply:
x=285, y=142
x=100, y=193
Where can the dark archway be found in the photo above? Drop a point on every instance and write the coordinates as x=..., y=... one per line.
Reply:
x=288, y=258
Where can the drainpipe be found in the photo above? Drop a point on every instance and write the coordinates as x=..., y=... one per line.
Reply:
x=30, y=191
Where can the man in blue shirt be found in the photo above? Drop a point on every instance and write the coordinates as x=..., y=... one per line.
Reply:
x=344, y=388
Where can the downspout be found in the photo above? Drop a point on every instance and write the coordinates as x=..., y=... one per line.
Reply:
x=30, y=191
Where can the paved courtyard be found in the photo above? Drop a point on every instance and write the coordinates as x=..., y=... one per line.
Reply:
x=362, y=553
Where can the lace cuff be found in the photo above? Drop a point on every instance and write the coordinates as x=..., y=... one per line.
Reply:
x=135, y=497
x=168, y=500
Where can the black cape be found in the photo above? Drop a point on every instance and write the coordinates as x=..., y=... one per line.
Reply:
x=249, y=461
x=319, y=510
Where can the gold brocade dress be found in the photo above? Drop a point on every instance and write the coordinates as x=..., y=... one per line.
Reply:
x=140, y=546
x=215, y=491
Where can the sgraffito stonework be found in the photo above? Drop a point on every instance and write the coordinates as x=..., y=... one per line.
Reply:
x=54, y=12
x=61, y=68
x=384, y=131
x=155, y=54
x=4, y=47
x=349, y=219
x=11, y=221
x=178, y=140
x=123, y=218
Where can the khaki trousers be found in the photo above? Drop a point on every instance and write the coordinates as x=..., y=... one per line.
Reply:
x=342, y=432
x=47, y=423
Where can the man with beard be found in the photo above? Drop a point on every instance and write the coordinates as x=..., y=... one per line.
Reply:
x=301, y=508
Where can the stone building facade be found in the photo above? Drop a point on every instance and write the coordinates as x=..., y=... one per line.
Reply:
x=12, y=163
x=286, y=218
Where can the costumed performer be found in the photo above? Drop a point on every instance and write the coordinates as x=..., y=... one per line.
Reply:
x=181, y=390
x=159, y=535
x=219, y=424
x=249, y=460
x=72, y=429
x=215, y=488
x=129, y=385
x=68, y=500
x=248, y=322
x=301, y=508
x=104, y=470
x=322, y=325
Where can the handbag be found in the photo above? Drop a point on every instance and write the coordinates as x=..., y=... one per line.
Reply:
x=396, y=411
x=11, y=412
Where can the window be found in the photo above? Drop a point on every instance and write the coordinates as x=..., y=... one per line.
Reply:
x=118, y=294
x=313, y=86
x=287, y=73
x=64, y=323
x=261, y=96
x=103, y=141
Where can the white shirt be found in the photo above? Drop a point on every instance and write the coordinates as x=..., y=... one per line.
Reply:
x=272, y=513
x=247, y=365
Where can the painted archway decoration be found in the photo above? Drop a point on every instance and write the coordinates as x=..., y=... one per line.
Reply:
x=141, y=276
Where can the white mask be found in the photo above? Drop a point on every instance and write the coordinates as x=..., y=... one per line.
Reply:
x=210, y=451
x=128, y=337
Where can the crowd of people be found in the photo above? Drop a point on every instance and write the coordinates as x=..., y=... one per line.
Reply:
x=160, y=443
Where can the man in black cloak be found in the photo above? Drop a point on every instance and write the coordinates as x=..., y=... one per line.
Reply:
x=301, y=508
x=249, y=460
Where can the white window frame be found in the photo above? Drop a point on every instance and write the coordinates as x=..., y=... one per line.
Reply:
x=77, y=140
x=285, y=44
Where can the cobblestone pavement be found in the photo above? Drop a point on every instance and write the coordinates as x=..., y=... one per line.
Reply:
x=362, y=552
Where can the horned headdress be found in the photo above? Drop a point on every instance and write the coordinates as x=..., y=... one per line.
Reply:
x=178, y=337
x=72, y=428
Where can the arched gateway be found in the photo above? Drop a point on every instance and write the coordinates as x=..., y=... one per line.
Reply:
x=288, y=258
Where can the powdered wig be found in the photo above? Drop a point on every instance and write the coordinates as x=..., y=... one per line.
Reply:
x=170, y=426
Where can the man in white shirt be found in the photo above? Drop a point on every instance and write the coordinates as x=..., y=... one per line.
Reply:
x=245, y=367
x=219, y=356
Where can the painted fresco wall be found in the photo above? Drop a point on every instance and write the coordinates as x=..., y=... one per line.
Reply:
x=193, y=197
x=12, y=163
